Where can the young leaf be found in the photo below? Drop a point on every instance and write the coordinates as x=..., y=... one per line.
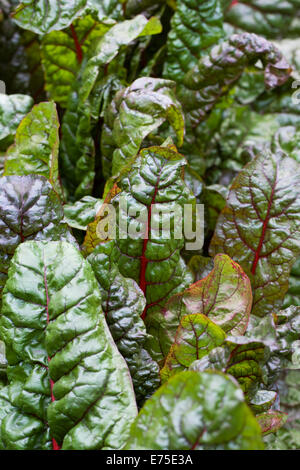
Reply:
x=271, y=421
x=259, y=226
x=136, y=112
x=194, y=411
x=123, y=304
x=224, y=296
x=196, y=336
x=67, y=380
x=35, y=151
x=29, y=210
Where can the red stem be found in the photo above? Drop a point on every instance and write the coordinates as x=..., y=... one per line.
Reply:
x=79, y=53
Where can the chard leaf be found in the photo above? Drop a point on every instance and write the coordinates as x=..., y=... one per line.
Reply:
x=136, y=112
x=270, y=19
x=29, y=210
x=63, y=53
x=13, y=108
x=259, y=226
x=41, y=16
x=241, y=357
x=108, y=47
x=271, y=421
x=224, y=296
x=293, y=294
x=262, y=401
x=149, y=257
x=195, y=27
x=35, y=151
x=195, y=337
x=82, y=212
x=67, y=380
x=123, y=304
x=194, y=411
x=217, y=72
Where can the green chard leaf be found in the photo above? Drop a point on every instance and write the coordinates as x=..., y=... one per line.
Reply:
x=196, y=336
x=269, y=19
x=41, y=16
x=13, y=108
x=145, y=253
x=293, y=294
x=224, y=296
x=136, y=112
x=195, y=27
x=67, y=381
x=35, y=151
x=241, y=357
x=63, y=53
x=196, y=411
x=217, y=72
x=259, y=226
x=29, y=210
x=82, y=212
x=123, y=304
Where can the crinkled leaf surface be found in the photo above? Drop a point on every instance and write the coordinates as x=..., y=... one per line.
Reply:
x=35, y=151
x=194, y=411
x=43, y=16
x=270, y=19
x=136, y=112
x=224, y=296
x=82, y=212
x=123, y=304
x=67, y=380
x=262, y=401
x=240, y=357
x=260, y=227
x=63, y=53
x=147, y=255
x=195, y=27
x=29, y=210
x=196, y=336
x=216, y=73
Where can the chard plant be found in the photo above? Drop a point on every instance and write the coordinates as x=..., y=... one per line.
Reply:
x=149, y=225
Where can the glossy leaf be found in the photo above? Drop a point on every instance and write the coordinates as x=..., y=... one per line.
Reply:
x=270, y=19
x=67, y=380
x=217, y=72
x=240, y=357
x=42, y=17
x=150, y=258
x=29, y=210
x=195, y=411
x=262, y=401
x=13, y=108
x=136, y=112
x=82, y=212
x=35, y=151
x=195, y=27
x=224, y=296
x=259, y=226
x=123, y=304
x=119, y=35
x=63, y=53
x=196, y=336
x=271, y=421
